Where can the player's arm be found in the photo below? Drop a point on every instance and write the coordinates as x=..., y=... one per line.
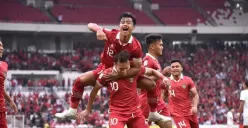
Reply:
x=94, y=27
x=101, y=34
x=195, y=97
x=152, y=72
x=82, y=115
x=242, y=102
x=241, y=106
x=10, y=101
x=93, y=94
x=135, y=64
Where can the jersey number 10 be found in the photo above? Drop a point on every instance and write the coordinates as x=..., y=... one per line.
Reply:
x=114, y=86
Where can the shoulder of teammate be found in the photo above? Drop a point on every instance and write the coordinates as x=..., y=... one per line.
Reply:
x=110, y=33
x=147, y=62
x=102, y=79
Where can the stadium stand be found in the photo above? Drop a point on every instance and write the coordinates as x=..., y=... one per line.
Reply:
x=97, y=14
x=13, y=10
x=178, y=12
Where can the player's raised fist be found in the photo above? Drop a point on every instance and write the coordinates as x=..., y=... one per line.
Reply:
x=101, y=35
x=167, y=70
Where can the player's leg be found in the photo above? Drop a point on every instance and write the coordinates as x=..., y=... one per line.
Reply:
x=182, y=122
x=137, y=121
x=145, y=108
x=150, y=86
x=193, y=121
x=86, y=79
x=165, y=112
x=152, y=97
x=3, y=121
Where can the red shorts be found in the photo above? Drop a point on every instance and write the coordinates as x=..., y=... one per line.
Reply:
x=98, y=70
x=186, y=122
x=134, y=120
x=162, y=108
x=3, y=121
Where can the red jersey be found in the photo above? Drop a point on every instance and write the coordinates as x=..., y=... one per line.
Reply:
x=179, y=96
x=3, y=73
x=113, y=46
x=151, y=62
x=123, y=93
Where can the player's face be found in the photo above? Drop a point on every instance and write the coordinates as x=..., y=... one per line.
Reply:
x=1, y=49
x=158, y=47
x=122, y=68
x=176, y=69
x=126, y=26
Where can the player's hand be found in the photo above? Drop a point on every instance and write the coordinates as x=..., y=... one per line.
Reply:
x=194, y=110
x=167, y=70
x=81, y=116
x=13, y=106
x=100, y=35
x=166, y=82
x=111, y=76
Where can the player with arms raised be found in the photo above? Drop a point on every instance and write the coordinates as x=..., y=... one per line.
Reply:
x=182, y=109
x=3, y=94
x=115, y=41
x=124, y=104
x=154, y=44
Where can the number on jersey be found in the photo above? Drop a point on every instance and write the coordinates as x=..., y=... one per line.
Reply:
x=113, y=121
x=114, y=86
x=172, y=93
x=182, y=124
x=110, y=52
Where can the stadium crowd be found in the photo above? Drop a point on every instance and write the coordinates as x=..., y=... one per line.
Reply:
x=217, y=70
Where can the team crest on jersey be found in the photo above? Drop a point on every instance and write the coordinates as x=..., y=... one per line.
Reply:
x=184, y=86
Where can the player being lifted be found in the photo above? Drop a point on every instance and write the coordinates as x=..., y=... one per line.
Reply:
x=182, y=109
x=124, y=107
x=154, y=45
x=3, y=94
x=115, y=41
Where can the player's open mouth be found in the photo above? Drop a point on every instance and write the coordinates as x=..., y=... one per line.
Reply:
x=125, y=29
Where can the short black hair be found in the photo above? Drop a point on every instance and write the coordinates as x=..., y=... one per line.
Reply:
x=122, y=57
x=152, y=38
x=176, y=60
x=246, y=83
x=128, y=15
x=0, y=39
